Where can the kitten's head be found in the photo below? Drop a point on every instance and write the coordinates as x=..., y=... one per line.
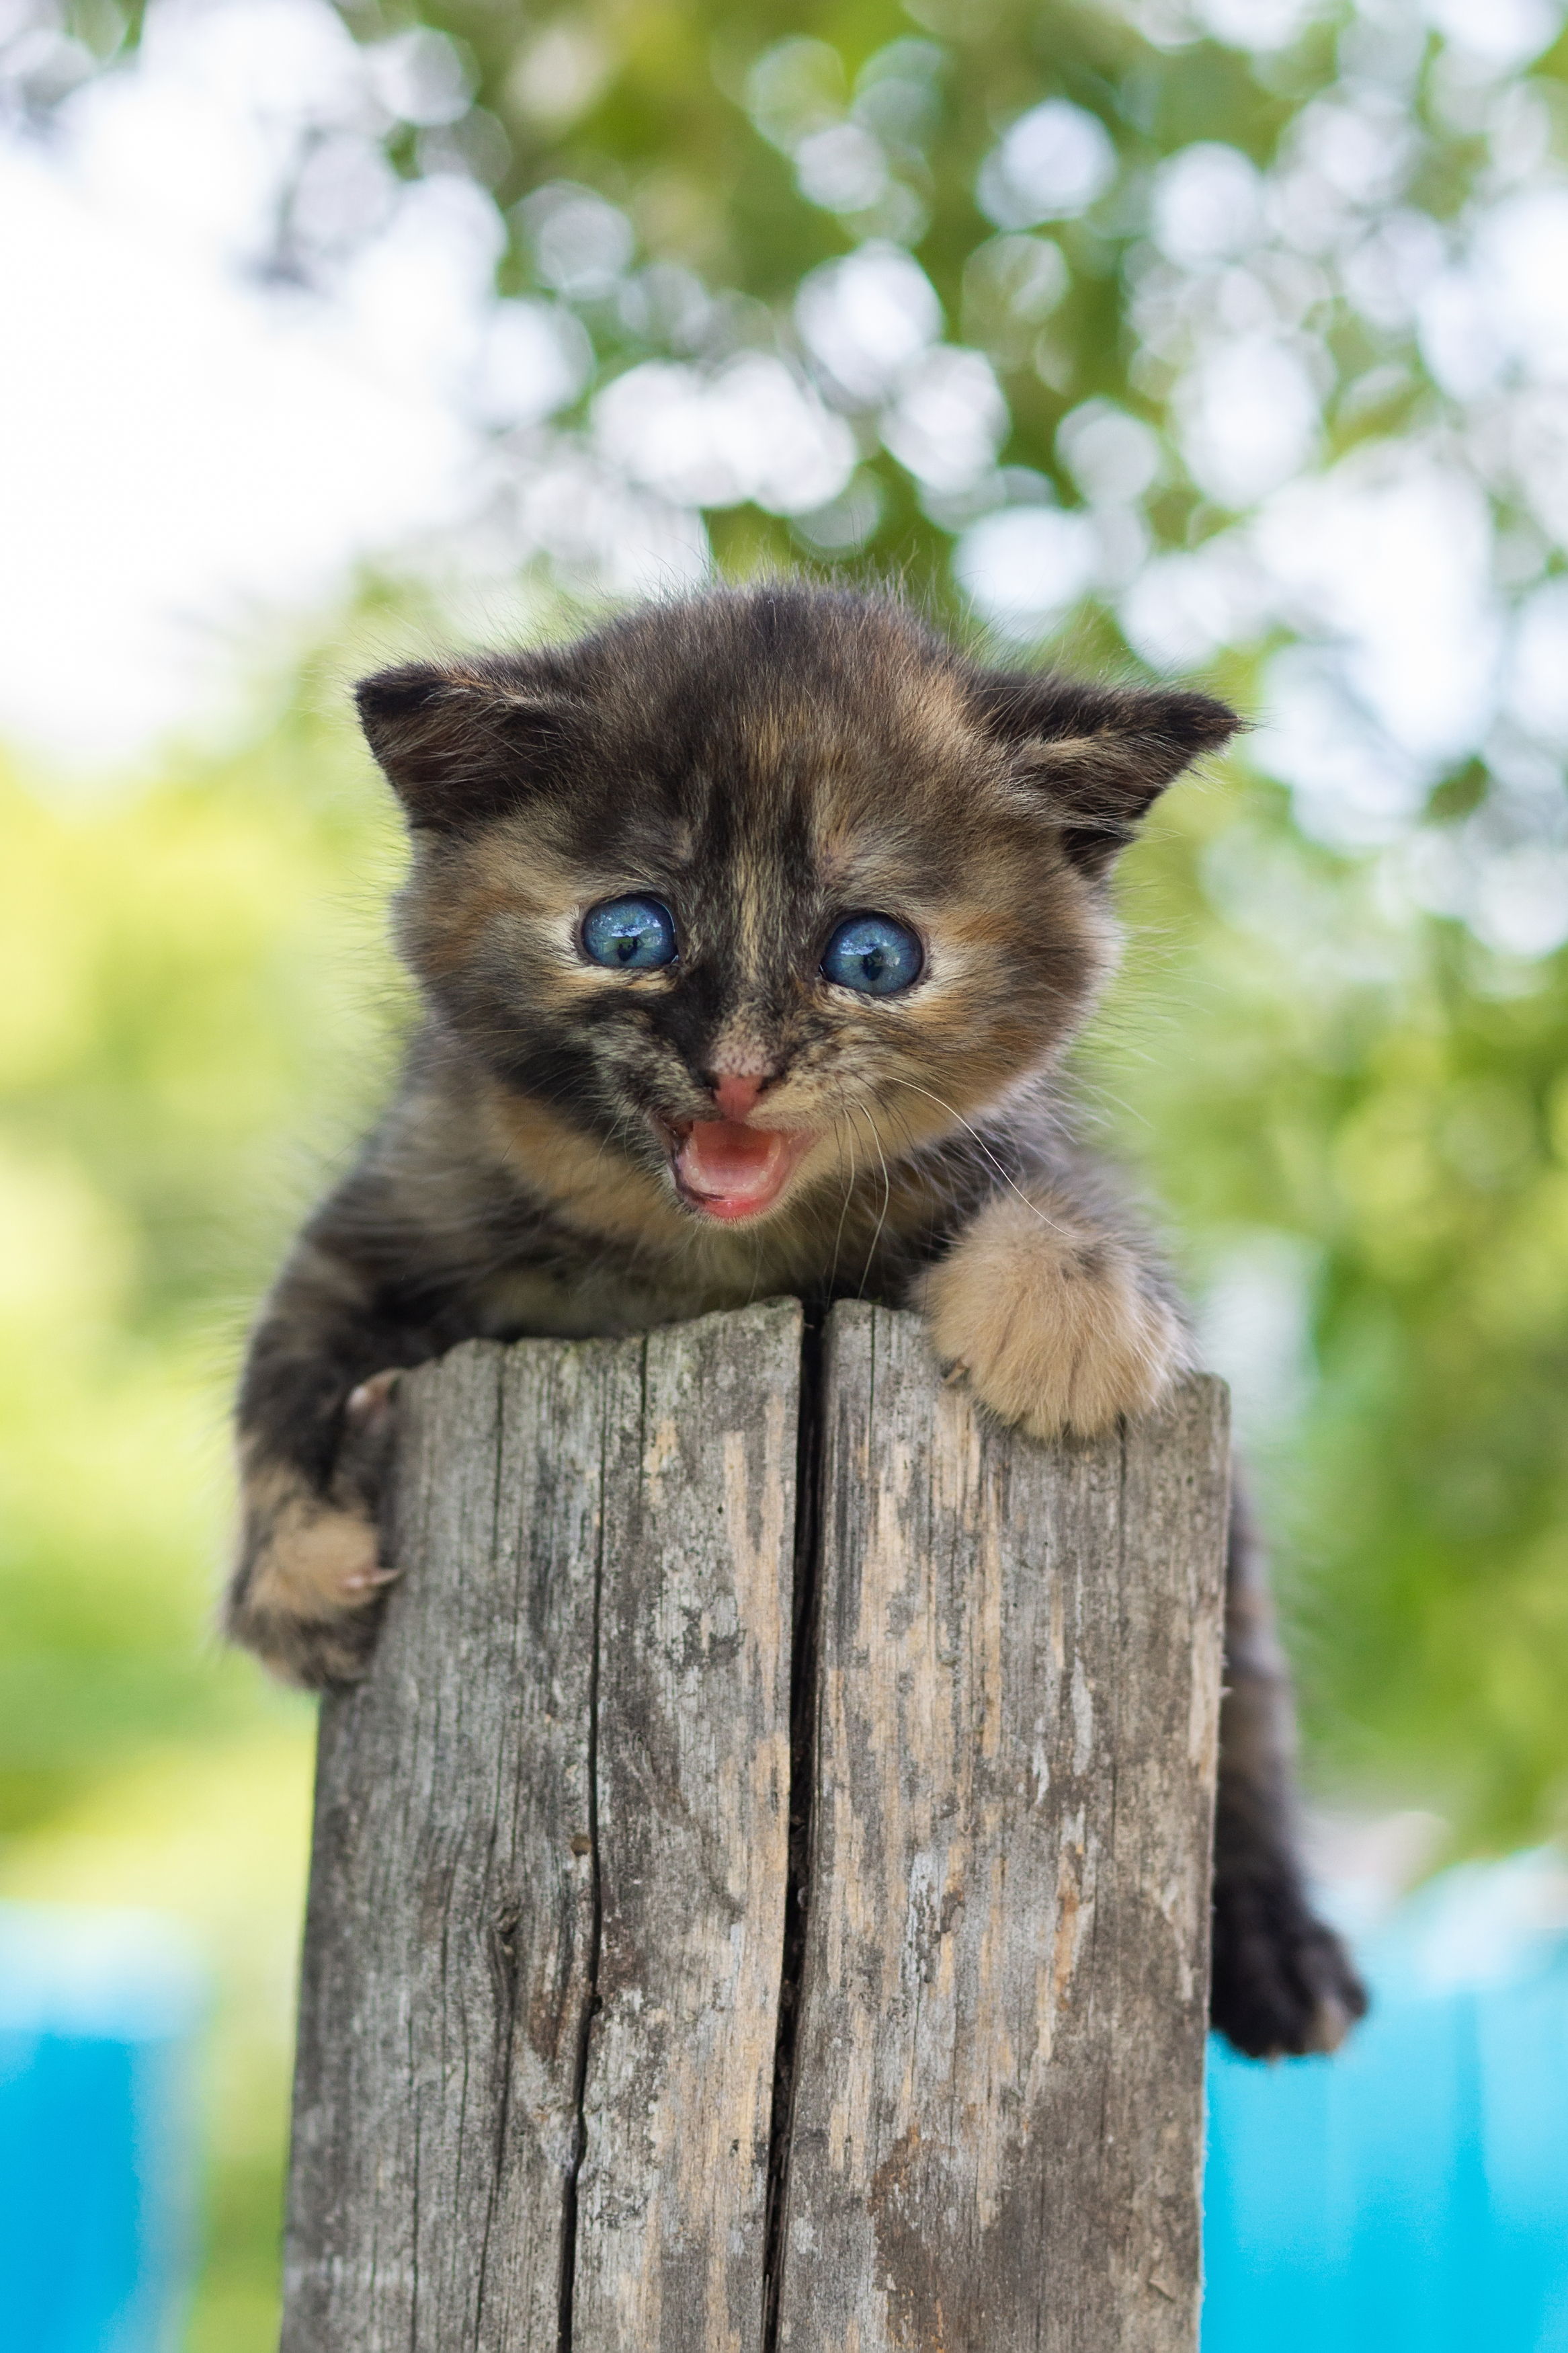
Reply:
x=760, y=887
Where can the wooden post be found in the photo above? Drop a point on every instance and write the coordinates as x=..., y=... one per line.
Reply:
x=624, y=2027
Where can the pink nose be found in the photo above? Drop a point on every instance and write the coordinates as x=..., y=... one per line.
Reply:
x=736, y=1095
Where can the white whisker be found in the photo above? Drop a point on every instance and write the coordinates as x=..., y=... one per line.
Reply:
x=844, y=1207
x=1009, y=1181
x=886, y=1199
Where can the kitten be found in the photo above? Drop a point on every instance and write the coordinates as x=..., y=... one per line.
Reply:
x=751, y=931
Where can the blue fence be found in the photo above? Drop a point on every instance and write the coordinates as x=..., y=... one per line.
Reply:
x=1410, y=2195
x=96, y=2154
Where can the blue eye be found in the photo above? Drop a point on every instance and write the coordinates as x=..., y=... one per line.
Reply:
x=874, y=954
x=629, y=935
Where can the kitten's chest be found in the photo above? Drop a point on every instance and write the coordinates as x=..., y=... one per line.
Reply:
x=596, y=1290
x=604, y=1297
x=524, y=1303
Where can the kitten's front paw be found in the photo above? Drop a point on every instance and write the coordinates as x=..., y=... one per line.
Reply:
x=304, y=1599
x=1055, y=1326
x=306, y=1595
x=1283, y=1984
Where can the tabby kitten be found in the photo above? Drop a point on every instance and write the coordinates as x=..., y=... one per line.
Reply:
x=750, y=933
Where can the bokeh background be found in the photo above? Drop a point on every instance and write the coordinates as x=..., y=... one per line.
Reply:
x=1218, y=338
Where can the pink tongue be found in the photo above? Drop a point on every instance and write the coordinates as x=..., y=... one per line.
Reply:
x=720, y=1157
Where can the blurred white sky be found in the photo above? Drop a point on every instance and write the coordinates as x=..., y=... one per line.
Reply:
x=186, y=447
x=213, y=407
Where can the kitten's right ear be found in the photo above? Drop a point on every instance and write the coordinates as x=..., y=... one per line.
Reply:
x=1098, y=757
x=461, y=743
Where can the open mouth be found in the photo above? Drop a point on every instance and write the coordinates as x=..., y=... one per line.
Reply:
x=730, y=1171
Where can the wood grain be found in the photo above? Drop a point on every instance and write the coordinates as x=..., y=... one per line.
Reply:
x=997, y=2118
x=694, y=1789
x=588, y=1526
x=448, y=1933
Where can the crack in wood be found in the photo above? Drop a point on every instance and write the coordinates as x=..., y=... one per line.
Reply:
x=503, y=1940
x=803, y=1644
x=591, y=2003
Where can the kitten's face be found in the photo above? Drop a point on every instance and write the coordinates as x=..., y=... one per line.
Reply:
x=637, y=862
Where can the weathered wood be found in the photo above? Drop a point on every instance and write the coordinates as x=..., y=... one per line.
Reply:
x=997, y=2117
x=550, y=2041
x=693, y=1832
x=449, y=1929
x=550, y=1862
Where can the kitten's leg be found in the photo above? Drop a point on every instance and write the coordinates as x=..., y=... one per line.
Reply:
x=1058, y=1321
x=315, y=1428
x=1282, y=1982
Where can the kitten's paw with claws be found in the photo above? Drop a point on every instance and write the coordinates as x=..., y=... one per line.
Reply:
x=1056, y=1326
x=1283, y=1984
x=304, y=1598
x=307, y=1592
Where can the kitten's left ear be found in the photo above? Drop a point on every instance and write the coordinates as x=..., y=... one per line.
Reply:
x=1098, y=755
x=461, y=742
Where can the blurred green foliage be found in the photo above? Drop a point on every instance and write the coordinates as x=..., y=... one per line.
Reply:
x=194, y=1006
x=1302, y=1063
x=171, y=1011
x=695, y=120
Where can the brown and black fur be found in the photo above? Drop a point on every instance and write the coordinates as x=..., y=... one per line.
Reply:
x=765, y=763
